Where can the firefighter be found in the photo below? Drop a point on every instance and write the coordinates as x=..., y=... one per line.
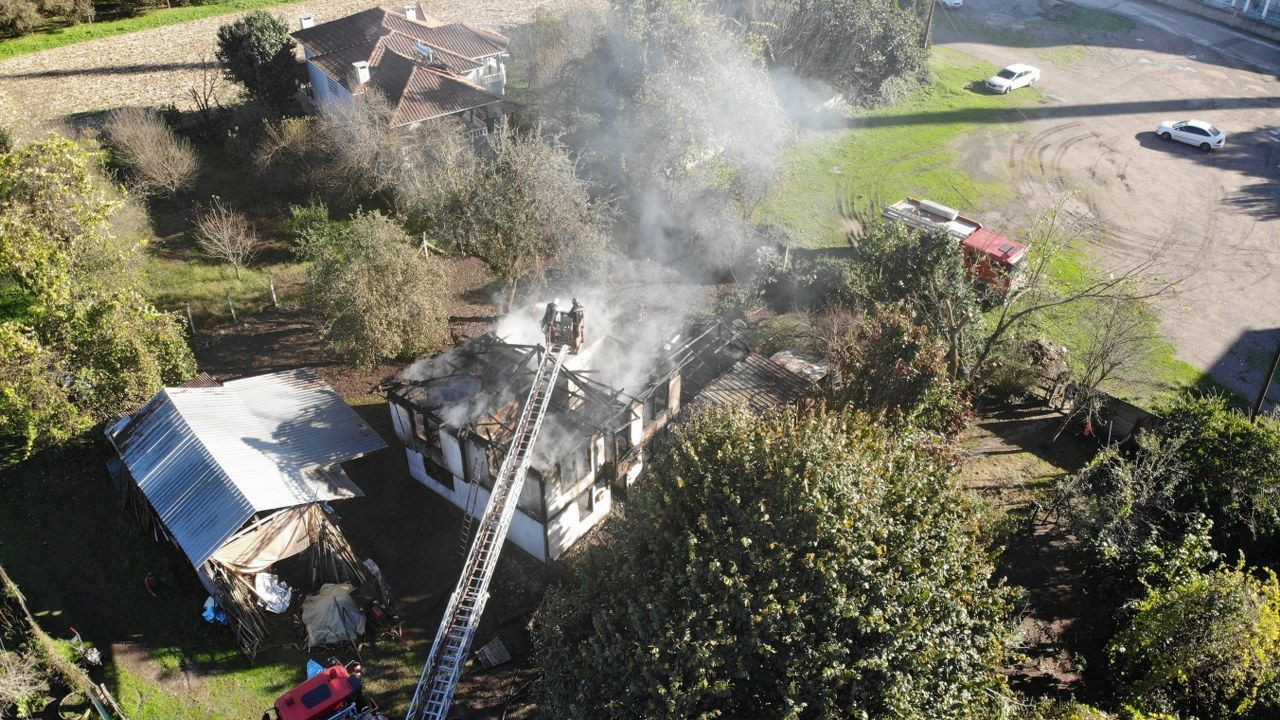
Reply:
x=549, y=319
x=577, y=318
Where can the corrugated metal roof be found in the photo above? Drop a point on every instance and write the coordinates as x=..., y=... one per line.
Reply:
x=209, y=458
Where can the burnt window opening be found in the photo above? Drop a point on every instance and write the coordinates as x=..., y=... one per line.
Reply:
x=428, y=431
x=437, y=472
x=658, y=402
x=622, y=442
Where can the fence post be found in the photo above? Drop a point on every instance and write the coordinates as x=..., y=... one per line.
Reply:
x=191, y=323
x=234, y=319
x=274, y=301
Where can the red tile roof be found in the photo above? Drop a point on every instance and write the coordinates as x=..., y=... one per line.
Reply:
x=417, y=86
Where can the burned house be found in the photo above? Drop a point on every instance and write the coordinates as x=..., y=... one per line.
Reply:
x=455, y=413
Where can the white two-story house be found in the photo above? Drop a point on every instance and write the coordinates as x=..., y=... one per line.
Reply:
x=425, y=69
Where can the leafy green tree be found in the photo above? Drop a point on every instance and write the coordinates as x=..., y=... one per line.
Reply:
x=924, y=271
x=85, y=346
x=789, y=566
x=1124, y=508
x=1232, y=465
x=1208, y=647
x=257, y=52
x=373, y=292
x=888, y=366
x=524, y=212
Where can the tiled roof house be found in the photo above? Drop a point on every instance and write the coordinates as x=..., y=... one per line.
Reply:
x=425, y=69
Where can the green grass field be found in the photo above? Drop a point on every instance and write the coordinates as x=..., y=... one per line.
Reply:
x=905, y=149
x=173, y=283
x=71, y=34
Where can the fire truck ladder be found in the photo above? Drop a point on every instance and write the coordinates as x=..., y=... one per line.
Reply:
x=434, y=694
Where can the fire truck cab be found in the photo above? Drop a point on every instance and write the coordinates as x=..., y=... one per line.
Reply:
x=989, y=257
x=333, y=694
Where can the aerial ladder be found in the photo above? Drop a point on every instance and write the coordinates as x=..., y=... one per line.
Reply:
x=439, y=680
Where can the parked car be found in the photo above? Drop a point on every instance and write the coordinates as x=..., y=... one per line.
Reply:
x=951, y=3
x=1012, y=78
x=1192, y=132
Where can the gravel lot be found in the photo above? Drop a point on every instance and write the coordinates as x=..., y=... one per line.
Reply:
x=154, y=67
x=1215, y=217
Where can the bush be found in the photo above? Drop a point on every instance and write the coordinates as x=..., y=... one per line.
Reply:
x=256, y=52
x=158, y=161
x=802, y=566
x=374, y=294
x=1208, y=648
x=18, y=17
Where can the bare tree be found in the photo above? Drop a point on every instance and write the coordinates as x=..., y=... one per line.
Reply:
x=1120, y=337
x=20, y=680
x=205, y=97
x=1053, y=238
x=227, y=235
x=157, y=160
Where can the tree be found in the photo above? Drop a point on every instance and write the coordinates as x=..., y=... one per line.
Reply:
x=677, y=117
x=524, y=213
x=1126, y=510
x=158, y=161
x=18, y=17
x=798, y=566
x=858, y=46
x=886, y=365
x=1208, y=648
x=227, y=235
x=1233, y=468
x=85, y=346
x=373, y=292
x=256, y=52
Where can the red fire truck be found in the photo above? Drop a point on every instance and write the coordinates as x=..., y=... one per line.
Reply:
x=990, y=257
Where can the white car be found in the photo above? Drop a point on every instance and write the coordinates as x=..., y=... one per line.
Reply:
x=1192, y=132
x=1012, y=78
x=952, y=4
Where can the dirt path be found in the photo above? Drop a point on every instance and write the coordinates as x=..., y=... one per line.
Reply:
x=1215, y=218
x=155, y=67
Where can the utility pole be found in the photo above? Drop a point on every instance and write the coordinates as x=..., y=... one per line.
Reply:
x=928, y=24
x=1266, y=384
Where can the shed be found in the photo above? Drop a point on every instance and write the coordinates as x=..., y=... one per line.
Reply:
x=236, y=475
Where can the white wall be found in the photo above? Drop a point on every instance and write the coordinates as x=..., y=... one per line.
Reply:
x=324, y=88
x=568, y=526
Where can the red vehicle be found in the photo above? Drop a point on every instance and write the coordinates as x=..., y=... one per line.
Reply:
x=333, y=694
x=990, y=257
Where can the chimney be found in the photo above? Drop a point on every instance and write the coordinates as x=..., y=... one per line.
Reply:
x=411, y=12
x=306, y=21
x=361, y=71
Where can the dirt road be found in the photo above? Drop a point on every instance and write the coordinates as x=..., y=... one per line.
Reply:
x=1215, y=217
x=155, y=67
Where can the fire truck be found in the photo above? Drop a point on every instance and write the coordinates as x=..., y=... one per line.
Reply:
x=990, y=258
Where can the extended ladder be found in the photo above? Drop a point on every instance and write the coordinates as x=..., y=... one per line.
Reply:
x=434, y=694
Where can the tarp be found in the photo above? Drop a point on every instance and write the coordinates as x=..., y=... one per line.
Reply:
x=331, y=616
x=267, y=541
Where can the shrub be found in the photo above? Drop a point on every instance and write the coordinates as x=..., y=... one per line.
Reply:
x=256, y=52
x=227, y=235
x=1208, y=647
x=373, y=293
x=792, y=565
x=18, y=17
x=158, y=161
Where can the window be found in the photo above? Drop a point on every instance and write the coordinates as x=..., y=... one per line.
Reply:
x=586, y=502
x=332, y=86
x=622, y=442
x=437, y=472
x=1193, y=130
x=657, y=402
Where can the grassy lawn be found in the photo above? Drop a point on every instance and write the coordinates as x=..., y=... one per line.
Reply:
x=904, y=149
x=173, y=283
x=93, y=31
